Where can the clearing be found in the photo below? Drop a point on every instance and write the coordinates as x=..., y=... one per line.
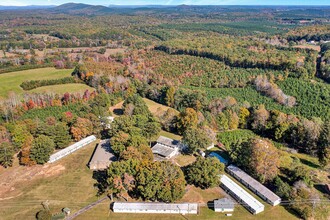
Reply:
x=10, y=82
x=61, y=89
x=66, y=183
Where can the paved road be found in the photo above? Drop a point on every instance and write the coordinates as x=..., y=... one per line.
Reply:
x=86, y=208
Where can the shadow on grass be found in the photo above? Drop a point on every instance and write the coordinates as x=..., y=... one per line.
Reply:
x=101, y=178
x=118, y=111
x=309, y=163
x=322, y=188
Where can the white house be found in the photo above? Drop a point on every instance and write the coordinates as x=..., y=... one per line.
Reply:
x=166, y=147
x=155, y=208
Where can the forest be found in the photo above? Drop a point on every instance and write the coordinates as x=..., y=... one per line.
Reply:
x=253, y=81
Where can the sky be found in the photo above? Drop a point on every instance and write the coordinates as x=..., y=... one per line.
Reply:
x=166, y=2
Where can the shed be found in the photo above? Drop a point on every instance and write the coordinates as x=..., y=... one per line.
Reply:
x=224, y=205
x=103, y=156
x=155, y=207
x=66, y=211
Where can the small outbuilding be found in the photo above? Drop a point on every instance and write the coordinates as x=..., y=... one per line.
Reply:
x=224, y=205
x=66, y=211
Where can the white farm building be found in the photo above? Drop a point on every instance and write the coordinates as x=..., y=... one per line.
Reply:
x=165, y=148
x=72, y=148
x=155, y=208
x=249, y=202
x=254, y=185
x=224, y=205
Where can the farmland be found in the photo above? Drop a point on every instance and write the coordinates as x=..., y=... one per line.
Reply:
x=10, y=82
x=250, y=83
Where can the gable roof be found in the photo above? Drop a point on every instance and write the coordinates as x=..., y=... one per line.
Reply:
x=168, y=141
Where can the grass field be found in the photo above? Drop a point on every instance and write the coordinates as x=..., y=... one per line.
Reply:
x=71, y=187
x=61, y=89
x=10, y=82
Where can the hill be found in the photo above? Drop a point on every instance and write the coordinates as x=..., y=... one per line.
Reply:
x=80, y=9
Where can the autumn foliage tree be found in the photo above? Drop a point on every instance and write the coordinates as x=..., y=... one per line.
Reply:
x=261, y=158
x=186, y=119
x=204, y=172
x=81, y=128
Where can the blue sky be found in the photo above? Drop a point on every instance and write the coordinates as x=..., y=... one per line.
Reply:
x=167, y=2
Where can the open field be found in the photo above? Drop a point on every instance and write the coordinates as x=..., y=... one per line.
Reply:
x=154, y=107
x=66, y=183
x=61, y=89
x=308, y=46
x=10, y=82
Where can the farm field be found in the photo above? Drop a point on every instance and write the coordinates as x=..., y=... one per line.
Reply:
x=61, y=89
x=61, y=183
x=10, y=82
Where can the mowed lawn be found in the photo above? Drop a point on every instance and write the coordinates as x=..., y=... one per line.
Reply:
x=72, y=187
x=61, y=89
x=10, y=82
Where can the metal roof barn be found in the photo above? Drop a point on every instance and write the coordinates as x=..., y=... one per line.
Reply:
x=72, y=148
x=155, y=207
x=102, y=156
x=249, y=202
x=254, y=185
x=166, y=147
x=224, y=205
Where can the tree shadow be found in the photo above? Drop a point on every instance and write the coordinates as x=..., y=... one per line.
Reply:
x=309, y=163
x=323, y=189
x=102, y=183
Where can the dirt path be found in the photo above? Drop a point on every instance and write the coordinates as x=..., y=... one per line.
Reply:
x=86, y=208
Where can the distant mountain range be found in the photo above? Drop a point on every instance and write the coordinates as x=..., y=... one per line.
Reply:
x=86, y=9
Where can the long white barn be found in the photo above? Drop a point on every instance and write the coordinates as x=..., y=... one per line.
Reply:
x=254, y=185
x=155, y=208
x=72, y=148
x=249, y=202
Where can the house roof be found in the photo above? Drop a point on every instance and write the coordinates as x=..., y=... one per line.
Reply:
x=168, y=141
x=155, y=206
x=239, y=192
x=254, y=184
x=162, y=150
x=103, y=153
x=224, y=203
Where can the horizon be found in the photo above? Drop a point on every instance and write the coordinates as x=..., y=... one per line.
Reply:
x=25, y=3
